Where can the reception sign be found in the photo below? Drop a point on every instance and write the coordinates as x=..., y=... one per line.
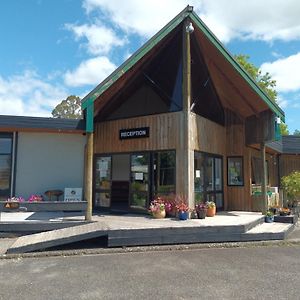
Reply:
x=134, y=133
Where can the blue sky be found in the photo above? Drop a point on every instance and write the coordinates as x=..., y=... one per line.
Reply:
x=54, y=48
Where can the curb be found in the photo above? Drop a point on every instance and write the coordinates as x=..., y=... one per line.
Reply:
x=127, y=250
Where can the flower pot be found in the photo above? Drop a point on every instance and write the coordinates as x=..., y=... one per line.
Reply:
x=159, y=214
x=211, y=211
x=183, y=215
x=269, y=219
x=201, y=214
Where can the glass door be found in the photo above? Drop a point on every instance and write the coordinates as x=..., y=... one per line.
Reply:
x=103, y=182
x=208, y=178
x=139, y=180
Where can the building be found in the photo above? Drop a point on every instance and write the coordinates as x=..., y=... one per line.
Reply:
x=180, y=116
x=40, y=154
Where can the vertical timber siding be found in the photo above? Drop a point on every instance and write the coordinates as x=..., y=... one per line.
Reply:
x=164, y=134
x=289, y=163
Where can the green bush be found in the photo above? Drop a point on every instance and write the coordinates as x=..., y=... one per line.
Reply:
x=291, y=185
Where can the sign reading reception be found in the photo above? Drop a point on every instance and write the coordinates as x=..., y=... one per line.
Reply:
x=134, y=133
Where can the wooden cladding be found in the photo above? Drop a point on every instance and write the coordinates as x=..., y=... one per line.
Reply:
x=207, y=136
x=260, y=128
x=289, y=164
x=165, y=131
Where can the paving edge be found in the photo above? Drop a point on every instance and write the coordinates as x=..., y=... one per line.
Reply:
x=158, y=248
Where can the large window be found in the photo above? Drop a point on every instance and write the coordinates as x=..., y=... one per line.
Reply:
x=147, y=175
x=164, y=172
x=139, y=180
x=5, y=165
x=103, y=181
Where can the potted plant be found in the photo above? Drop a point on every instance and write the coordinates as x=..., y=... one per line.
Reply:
x=284, y=211
x=157, y=208
x=35, y=198
x=269, y=217
x=211, y=208
x=170, y=205
x=182, y=207
x=201, y=210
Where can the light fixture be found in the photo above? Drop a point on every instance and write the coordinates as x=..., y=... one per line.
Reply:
x=189, y=28
x=278, y=120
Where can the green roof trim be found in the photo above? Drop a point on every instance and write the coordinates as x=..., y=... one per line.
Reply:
x=215, y=41
x=148, y=46
x=129, y=63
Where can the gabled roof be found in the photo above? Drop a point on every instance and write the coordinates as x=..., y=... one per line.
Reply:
x=157, y=38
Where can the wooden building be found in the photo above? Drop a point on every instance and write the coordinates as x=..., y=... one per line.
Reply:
x=180, y=116
x=289, y=160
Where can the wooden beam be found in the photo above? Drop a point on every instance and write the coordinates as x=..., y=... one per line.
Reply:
x=264, y=178
x=89, y=175
x=186, y=154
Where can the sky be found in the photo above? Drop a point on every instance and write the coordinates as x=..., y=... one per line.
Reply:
x=50, y=49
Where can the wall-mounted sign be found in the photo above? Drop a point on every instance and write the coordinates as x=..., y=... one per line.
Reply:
x=134, y=133
x=73, y=194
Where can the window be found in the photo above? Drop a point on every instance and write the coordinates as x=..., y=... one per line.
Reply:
x=256, y=170
x=164, y=172
x=5, y=165
x=235, y=171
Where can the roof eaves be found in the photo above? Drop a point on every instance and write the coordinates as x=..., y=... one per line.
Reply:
x=215, y=41
x=130, y=62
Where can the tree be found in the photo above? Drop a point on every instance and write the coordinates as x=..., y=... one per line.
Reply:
x=283, y=129
x=265, y=81
x=69, y=108
x=297, y=132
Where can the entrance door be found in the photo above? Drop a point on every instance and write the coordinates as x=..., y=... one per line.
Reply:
x=139, y=180
x=209, y=178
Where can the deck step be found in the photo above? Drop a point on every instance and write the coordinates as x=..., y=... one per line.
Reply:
x=265, y=231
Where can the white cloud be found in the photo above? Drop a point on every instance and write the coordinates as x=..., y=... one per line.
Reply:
x=28, y=95
x=100, y=39
x=286, y=72
x=263, y=20
x=136, y=16
x=282, y=102
x=91, y=71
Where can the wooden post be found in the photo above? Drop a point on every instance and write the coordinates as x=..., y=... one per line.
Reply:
x=89, y=176
x=264, y=178
x=187, y=159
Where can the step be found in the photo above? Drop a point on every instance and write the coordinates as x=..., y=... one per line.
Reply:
x=264, y=231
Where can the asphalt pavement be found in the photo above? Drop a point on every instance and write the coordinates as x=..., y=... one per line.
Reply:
x=224, y=273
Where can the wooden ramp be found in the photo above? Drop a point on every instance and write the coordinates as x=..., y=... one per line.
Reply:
x=39, y=241
x=139, y=230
